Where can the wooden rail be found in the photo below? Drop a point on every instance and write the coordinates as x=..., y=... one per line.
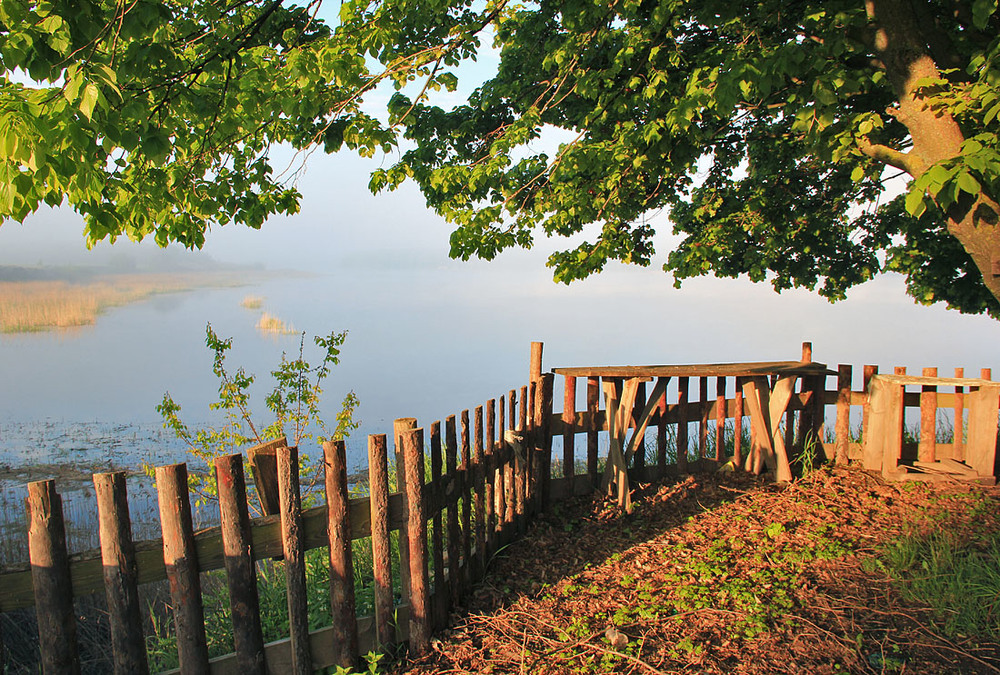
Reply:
x=488, y=471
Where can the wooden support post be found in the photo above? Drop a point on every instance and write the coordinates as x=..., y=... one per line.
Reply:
x=593, y=408
x=720, y=419
x=500, y=487
x=181, y=561
x=469, y=472
x=738, y=423
x=928, y=419
x=510, y=472
x=521, y=464
x=682, y=424
x=378, y=495
x=535, y=366
x=120, y=574
x=491, y=468
x=451, y=498
x=342, y=603
x=439, y=596
x=569, y=428
x=416, y=533
x=50, y=577
x=661, y=434
x=399, y=427
x=530, y=454
x=958, y=433
x=293, y=550
x=703, y=418
x=480, y=480
x=544, y=437
x=843, y=429
x=869, y=373
x=639, y=459
x=237, y=545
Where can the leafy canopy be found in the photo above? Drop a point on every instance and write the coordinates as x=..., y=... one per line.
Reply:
x=768, y=130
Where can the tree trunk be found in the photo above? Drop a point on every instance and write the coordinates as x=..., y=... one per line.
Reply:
x=936, y=136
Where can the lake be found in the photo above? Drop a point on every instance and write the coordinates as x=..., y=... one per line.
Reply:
x=428, y=337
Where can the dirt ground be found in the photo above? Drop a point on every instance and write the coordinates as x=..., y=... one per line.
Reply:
x=721, y=573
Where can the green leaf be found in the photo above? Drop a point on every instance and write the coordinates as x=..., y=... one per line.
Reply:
x=915, y=204
x=88, y=101
x=968, y=183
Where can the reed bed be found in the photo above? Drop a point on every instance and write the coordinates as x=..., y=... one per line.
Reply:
x=33, y=306
x=268, y=323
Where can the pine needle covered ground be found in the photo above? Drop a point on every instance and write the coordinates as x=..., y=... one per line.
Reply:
x=729, y=574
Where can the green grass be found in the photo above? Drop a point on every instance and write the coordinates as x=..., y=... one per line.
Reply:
x=959, y=579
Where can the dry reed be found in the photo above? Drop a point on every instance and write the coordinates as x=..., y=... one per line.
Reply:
x=32, y=306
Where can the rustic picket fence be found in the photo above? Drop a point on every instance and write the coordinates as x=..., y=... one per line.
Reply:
x=490, y=472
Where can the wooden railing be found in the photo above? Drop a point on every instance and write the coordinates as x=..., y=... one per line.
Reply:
x=490, y=470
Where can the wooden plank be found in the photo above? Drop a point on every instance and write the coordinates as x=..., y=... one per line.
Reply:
x=378, y=488
x=981, y=450
x=120, y=579
x=241, y=574
x=843, y=428
x=416, y=533
x=500, y=477
x=180, y=559
x=264, y=468
x=52, y=583
x=293, y=551
x=777, y=404
x=642, y=421
x=928, y=419
x=956, y=466
x=746, y=369
x=754, y=392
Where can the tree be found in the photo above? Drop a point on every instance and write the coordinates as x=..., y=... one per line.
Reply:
x=769, y=130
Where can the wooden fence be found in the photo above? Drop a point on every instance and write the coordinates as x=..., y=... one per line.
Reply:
x=490, y=470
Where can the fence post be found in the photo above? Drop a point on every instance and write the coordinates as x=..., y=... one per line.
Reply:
x=345, y=631
x=378, y=494
x=843, y=430
x=593, y=408
x=569, y=429
x=290, y=508
x=439, y=598
x=399, y=427
x=928, y=419
x=454, y=531
x=491, y=467
x=703, y=419
x=120, y=575
x=510, y=472
x=51, y=579
x=416, y=531
x=720, y=419
x=181, y=561
x=535, y=366
x=469, y=471
x=544, y=437
x=521, y=463
x=237, y=545
x=479, y=476
x=958, y=432
x=682, y=424
x=500, y=477
x=738, y=422
x=869, y=373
